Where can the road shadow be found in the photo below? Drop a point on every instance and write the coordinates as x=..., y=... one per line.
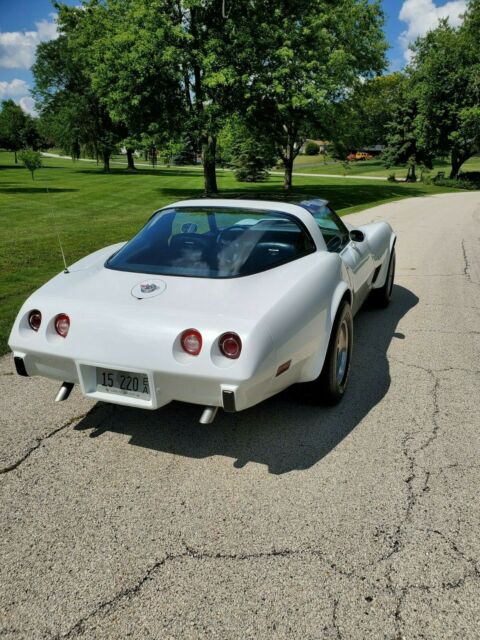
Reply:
x=286, y=432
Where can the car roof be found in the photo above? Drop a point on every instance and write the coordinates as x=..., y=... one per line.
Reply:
x=282, y=206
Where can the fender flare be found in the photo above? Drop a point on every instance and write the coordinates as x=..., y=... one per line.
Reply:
x=338, y=295
x=382, y=276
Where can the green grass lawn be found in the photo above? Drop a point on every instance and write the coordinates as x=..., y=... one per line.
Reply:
x=315, y=164
x=93, y=210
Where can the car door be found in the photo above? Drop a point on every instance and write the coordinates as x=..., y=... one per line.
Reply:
x=355, y=255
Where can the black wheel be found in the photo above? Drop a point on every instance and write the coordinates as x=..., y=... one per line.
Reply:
x=382, y=296
x=333, y=379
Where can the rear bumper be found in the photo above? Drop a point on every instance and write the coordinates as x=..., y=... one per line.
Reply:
x=213, y=390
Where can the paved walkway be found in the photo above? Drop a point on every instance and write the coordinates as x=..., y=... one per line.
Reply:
x=274, y=173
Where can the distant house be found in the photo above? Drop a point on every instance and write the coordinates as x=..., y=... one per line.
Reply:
x=323, y=144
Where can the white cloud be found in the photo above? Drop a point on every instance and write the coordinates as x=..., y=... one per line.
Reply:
x=14, y=89
x=422, y=16
x=19, y=91
x=28, y=105
x=17, y=48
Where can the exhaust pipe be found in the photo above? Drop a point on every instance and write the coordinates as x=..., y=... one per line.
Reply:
x=64, y=391
x=208, y=415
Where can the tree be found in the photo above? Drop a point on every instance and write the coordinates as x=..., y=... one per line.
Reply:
x=31, y=159
x=129, y=60
x=406, y=143
x=72, y=112
x=300, y=60
x=169, y=63
x=252, y=157
x=363, y=118
x=13, y=122
x=445, y=76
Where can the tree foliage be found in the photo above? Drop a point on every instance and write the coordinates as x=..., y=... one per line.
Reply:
x=405, y=144
x=299, y=61
x=71, y=111
x=18, y=130
x=445, y=85
x=165, y=66
x=363, y=118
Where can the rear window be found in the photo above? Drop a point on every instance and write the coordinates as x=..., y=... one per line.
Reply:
x=213, y=242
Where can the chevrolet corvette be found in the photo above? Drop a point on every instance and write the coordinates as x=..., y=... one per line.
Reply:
x=221, y=303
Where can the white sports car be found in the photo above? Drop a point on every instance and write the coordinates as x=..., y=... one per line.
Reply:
x=222, y=303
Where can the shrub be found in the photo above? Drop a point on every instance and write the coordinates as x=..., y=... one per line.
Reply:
x=468, y=181
x=425, y=174
x=312, y=149
x=472, y=177
x=31, y=159
x=391, y=177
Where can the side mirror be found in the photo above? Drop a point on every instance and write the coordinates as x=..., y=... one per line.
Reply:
x=356, y=235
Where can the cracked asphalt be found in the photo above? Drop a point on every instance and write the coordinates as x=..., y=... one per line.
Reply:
x=284, y=521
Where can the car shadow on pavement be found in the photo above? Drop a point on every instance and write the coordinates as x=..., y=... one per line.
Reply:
x=287, y=432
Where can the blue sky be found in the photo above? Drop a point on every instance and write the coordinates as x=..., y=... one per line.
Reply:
x=25, y=23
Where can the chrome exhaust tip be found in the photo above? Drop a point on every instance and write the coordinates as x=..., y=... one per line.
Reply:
x=64, y=391
x=208, y=415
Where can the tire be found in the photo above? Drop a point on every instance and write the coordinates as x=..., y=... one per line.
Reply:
x=333, y=379
x=382, y=297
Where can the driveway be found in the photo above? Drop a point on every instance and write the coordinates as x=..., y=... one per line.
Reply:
x=285, y=521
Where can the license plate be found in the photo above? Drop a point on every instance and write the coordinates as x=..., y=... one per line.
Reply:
x=123, y=383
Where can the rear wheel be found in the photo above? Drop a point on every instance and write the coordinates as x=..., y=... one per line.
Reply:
x=333, y=379
x=382, y=296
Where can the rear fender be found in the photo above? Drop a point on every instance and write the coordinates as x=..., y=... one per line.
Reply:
x=314, y=365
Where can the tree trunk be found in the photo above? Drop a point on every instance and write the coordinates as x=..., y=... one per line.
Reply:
x=106, y=161
x=209, y=148
x=130, y=162
x=411, y=175
x=457, y=162
x=288, y=156
x=16, y=160
x=287, y=180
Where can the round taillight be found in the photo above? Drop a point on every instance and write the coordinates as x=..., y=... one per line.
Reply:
x=35, y=319
x=62, y=324
x=230, y=345
x=191, y=341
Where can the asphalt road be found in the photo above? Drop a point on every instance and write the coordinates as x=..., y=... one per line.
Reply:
x=285, y=521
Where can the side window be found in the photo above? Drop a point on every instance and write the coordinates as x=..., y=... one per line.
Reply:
x=334, y=232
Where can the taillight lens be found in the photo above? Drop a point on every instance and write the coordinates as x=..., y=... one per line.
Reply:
x=62, y=324
x=35, y=319
x=230, y=345
x=191, y=341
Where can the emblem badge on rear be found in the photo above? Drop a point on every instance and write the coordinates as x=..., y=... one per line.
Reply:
x=148, y=289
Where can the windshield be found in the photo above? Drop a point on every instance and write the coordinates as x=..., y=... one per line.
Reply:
x=213, y=242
